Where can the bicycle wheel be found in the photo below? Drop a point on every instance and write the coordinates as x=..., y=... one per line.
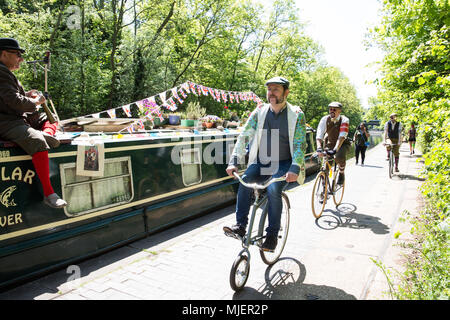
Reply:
x=239, y=272
x=391, y=164
x=319, y=194
x=338, y=190
x=268, y=257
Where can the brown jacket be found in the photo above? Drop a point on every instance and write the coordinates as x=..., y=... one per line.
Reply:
x=14, y=105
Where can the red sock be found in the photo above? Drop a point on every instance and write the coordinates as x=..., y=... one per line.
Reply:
x=40, y=161
x=50, y=128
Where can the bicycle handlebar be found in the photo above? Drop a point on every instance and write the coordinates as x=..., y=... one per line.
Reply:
x=258, y=186
x=324, y=152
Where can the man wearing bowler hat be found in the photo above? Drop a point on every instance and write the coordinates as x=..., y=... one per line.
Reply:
x=20, y=122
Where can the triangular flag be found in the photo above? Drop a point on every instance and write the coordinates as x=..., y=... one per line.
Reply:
x=162, y=95
x=127, y=110
x=112, y=113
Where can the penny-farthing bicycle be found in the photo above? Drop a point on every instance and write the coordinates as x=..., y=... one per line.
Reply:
x=241, y=267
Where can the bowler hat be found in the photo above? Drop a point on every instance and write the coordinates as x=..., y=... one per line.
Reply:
x=9, y=43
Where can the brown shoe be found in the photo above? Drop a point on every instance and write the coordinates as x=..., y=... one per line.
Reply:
x=51, y=140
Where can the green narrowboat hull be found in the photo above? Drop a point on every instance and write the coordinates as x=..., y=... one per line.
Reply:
x=151, y=181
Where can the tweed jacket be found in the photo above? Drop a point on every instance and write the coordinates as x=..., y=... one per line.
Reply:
x=14, y=105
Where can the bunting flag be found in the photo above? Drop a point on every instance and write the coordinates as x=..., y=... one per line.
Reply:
x=231, y=96
x=185, y=86
x=162, y=96
x=192, y=87
x=175, y=94
x=211, y=93
x=149, y=108
x=217, y=95
x=171, y=104
x=181, y=91
x=204, y=90
x=127, y=110
x=140, y=106
x=224, y=96
x=112, y=113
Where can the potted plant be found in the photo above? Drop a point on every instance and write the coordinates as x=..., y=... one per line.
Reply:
x=184, y=121
x=194, y=112
x=174, y=118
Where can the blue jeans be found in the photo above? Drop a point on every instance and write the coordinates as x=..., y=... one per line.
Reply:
x=244, y=196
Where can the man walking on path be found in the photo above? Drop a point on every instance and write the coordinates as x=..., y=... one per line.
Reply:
x=393, y=135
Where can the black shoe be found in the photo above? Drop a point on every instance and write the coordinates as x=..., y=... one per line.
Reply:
x=236, y=230
x=341, y=179
x=270, y=243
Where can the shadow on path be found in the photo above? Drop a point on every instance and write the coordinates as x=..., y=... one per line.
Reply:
x=284, y=281
x=345, y=217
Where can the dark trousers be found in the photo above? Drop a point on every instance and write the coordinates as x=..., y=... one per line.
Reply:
x=255, y=173
x=362, y=150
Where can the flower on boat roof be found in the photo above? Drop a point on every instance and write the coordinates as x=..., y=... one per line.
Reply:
x=210, y=118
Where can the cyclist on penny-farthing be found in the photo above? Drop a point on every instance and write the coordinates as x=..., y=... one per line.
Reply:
x=277, y=135
x=335, y=125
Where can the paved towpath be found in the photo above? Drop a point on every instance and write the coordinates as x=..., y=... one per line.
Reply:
x=328, y=258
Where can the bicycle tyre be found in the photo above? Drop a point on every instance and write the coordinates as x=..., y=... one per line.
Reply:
x=267, y=257
x=338, y=190
x=319, y=184
x=391, y=164
x=238, y=277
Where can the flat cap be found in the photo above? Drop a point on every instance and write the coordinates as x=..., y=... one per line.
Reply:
x=279, y=80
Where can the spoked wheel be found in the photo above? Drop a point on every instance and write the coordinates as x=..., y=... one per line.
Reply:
x=268, y=257
x=239, y=272
x=319, y=194
x=338, y=190
x=391, y=165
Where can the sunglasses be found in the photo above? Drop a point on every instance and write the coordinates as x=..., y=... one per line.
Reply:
x=17, y=53
x=333, y=109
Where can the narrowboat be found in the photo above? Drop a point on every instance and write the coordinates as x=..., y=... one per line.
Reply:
x=119, y=188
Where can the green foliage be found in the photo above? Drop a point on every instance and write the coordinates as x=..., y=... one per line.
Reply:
x=109, y=53
x=415, y=84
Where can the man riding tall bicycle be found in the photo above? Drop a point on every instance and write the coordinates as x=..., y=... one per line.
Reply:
x=336, y=126
x=277, y=135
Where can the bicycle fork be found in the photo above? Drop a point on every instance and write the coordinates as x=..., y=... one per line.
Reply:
x=247, y=241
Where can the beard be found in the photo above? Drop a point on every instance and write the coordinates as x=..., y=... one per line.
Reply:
x=277, y=100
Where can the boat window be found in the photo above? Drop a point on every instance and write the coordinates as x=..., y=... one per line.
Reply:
x=86, y=194
x=191, y=166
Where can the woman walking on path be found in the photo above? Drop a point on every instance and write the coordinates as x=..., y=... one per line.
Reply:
x=412, y=138
x=361, y=139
